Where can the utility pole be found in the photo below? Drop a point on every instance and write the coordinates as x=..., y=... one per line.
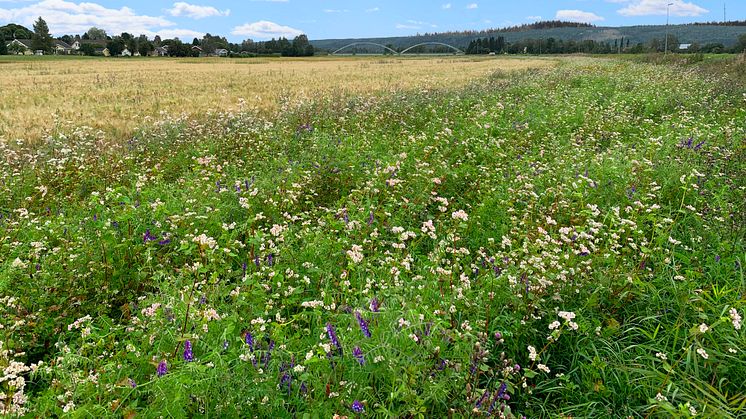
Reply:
x=668, y=8
x=724, y=15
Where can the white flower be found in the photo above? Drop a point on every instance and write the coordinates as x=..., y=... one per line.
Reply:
x=703, y=353
x=567, y=315
x=542, y=367
x=661, y=355
x=460, y=215
x=299, y=368
x=532, y=355
x=659, y=397
x=204, y=241
x=735, y=318
x=703, y=328
x=554, y=325
x=356, y=253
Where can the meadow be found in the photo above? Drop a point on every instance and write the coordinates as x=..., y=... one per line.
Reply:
x=45, y=95
x=563, y=241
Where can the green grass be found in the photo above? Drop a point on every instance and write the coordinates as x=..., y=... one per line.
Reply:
x=595, y=232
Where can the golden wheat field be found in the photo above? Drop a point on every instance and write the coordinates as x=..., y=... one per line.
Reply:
x=41, y=95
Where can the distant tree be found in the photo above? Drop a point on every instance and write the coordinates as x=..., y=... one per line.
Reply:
x=42, y=39
x=87, y=49
x=195, y=42
x=741, y=45
x=12, y=31
x=67, y=38
x=96, y=34
x=116, y=46
x=145, y=48
x=3, y=47
x=157, y=41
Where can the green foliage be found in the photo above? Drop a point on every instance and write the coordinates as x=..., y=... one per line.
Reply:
x=41, y=39
x=13, y=31
x=564, y=242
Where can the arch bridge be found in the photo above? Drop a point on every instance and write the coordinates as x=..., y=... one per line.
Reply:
x=354, y=44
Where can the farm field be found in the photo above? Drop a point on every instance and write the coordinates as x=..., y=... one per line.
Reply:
x=41, y=96
x=564, y=240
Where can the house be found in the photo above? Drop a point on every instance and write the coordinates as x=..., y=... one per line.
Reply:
x=684, y=47
x=197, y=50
x=105, y=52
x=160, y=52
x=61, y=48
x=126, y=53
x=20, y=47
x=98, y=44
x=221, y=52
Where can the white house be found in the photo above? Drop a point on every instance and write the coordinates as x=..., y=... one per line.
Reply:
x=126, y=53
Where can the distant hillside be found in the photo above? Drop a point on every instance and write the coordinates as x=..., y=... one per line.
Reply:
x=699, y=33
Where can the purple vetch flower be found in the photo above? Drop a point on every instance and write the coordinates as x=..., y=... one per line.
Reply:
x=357, y=407
x=358, y=354
x=133, y=384
x=363, y=324
x=271, y=259
x=516, y=368
x=147, y=237
x=371, y=218
x=501, y=390
x=244, y=266
x=333, y=336
x=374, y=306
x=162, y=368
x=188, y=354
x=485, y=397
x=717, y=258
x=256, y=260
x=225, y=345
x=345, y=217
x=249, y=339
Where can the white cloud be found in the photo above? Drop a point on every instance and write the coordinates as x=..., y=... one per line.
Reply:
x=65, y=17
x=403, y=26
x=446, y=6
x=373, y=10
x=336, y=10
x=658, y=7
x=264, y=29
x=195, y=12
x=577, y=16
x=535, y=18
x=472, y=6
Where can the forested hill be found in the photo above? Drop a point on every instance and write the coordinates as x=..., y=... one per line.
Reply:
x=699, y=33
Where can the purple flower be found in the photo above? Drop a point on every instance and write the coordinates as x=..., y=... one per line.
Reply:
x=162, y=368
x=188, y=355
x=371, y=218
x=374, y=305
x=249, y=341
x=133, y=384
x=363, y=324
x=357, y=407
x=333, y=336
x=485, y=397
x=358, y=354
x=147, y=237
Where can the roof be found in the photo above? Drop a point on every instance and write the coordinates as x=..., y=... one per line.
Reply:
x=25, y=42
x=63, y=44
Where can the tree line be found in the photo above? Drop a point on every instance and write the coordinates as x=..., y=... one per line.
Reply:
x=498, y=45
x=93, y=41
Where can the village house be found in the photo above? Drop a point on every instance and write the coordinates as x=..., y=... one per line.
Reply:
x=20, y=47
x=160, y=52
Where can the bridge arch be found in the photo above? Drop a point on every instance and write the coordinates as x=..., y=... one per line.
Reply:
x=458, y=51
x=364, y=43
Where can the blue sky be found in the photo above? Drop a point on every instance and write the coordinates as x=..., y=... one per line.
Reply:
x=320, y=19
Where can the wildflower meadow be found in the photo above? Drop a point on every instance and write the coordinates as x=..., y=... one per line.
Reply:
x=551, y=242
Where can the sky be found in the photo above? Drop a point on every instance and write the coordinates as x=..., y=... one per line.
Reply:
x=324, y=19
